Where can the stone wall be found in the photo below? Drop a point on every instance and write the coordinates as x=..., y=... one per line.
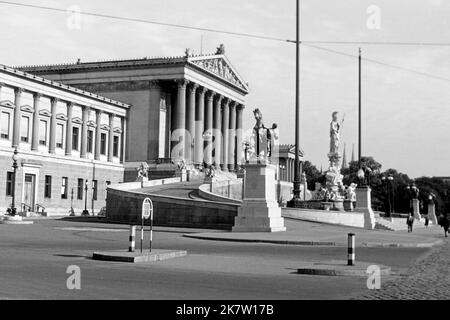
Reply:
x=351, y=219
x=125, y=207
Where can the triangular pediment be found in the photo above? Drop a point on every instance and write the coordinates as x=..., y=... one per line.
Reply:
x=7, y=104
x=219, y=66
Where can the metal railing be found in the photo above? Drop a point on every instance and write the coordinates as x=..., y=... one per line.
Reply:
x=25, y=207
x=40, y=207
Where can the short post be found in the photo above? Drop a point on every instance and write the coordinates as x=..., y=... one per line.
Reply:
x=132, y=239
x=351, y=249
x=142, y=231
x=151, y=228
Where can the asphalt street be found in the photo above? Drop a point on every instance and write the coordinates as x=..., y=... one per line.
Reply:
x=34, y=260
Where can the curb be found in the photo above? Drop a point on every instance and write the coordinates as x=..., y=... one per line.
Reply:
x=320, y=243
x=402, y=245
x=285, y=242
x=135, y=257
x=339, y=268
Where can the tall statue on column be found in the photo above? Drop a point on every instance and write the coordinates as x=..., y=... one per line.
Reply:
x=333, y=175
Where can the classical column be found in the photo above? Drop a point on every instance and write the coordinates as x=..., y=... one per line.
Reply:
x=239, y=111
x=208, y=126
x=84, y=131
x=17, y=115
x=180, y=119
x=225, y=126
x=190, y=123
x=123, y=139
x=111, y=138
x=199, y=125
x=35, y=136
x=231, y=137
x=217, y=131
x=98, y=115
x=52, y=142
x=69, y=129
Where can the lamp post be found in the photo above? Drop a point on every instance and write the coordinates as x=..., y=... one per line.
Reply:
x=85, y=211
x=295, y=202
x=388, y=183
x=15, y=158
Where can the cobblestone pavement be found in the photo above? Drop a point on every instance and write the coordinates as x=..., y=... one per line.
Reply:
x=427, y=279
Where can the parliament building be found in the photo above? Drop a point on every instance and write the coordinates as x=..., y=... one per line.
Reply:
x=79, y=127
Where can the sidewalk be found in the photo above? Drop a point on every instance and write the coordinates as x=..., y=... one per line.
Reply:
x=316, y=234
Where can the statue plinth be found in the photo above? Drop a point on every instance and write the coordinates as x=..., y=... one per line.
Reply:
x=416, y=209
x=432, y=213
x=259, y=211
x=364, y=205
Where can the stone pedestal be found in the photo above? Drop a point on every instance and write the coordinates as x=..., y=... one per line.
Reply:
x=432, y=213
x=338, y=205
x=259, y=211
x=348, y=205
x=364, y=205
x=416, y=209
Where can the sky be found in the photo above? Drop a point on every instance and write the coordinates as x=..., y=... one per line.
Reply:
x=405, y=115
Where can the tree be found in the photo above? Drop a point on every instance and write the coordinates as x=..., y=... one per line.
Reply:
x=313, y=174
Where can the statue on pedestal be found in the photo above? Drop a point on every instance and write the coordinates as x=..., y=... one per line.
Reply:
x=333, y=175
x=261, y=140
x=142, y=170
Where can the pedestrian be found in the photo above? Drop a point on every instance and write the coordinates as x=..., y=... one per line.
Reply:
x=443, y=221
x=427, y=220
x=410, y=222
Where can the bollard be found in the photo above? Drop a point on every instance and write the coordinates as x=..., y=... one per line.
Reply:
x=351, y=249
x=132, y=239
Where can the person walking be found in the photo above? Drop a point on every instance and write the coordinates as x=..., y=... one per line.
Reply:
x=427, y=220
x=410, y=222
x=443, y=221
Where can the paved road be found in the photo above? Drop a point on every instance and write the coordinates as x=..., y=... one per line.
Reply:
x=428, y=279
x=34, y=260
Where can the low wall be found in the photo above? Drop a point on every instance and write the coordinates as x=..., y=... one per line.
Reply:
x=350, y=219
x=124, y=206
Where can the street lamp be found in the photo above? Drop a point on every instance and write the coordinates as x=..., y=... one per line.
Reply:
x=15, y=158
x=85, y=211
x=388, y=182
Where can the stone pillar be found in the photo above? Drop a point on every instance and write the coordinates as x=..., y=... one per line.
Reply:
x=199, y=125
x=69, y=129
x=364, y=205
x=17, y=115
x=52, y=142
x=111, y=138
x=239, y=133
x=416, y=209
x=98, y=115
x=190, y=123
x=84, y=132
x=35, y=137
x=232, y=137
x=180, y=121
x=217, y=132
x=208, y=126
x=432, y=213
x=225, y=126
x=153, y=125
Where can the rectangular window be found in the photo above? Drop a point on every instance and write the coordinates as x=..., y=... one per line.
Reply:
x=64, y=187
x=116, y=146
x=59, y=135
x=42, y=132
x=90, y=141
x=4, y=125
x=24, y=129
x=48, y=187
x=103, y=143
x=75, y=135
x=94, y=189
x=9, y=183
x=80, y=189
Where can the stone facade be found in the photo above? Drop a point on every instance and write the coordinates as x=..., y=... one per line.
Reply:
x=64, y=137
x=182, y=108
